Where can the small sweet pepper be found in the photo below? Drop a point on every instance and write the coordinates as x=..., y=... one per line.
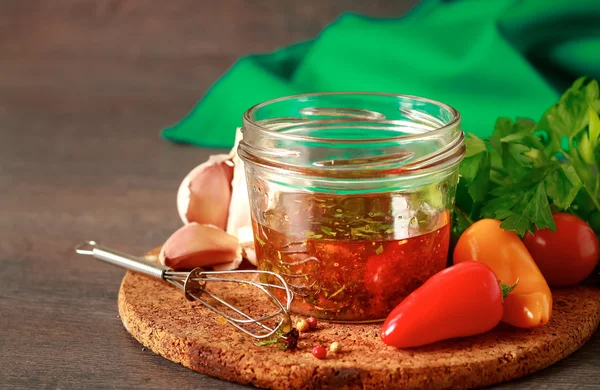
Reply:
x=530, y=303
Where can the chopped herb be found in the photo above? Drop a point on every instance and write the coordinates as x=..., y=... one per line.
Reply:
x=337, y=292
x=259, y=240
x=285, y=341
x=379, y=250
x=328, y=231
x=264, y=343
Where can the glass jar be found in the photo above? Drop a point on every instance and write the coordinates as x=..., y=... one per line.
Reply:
x=350, y=196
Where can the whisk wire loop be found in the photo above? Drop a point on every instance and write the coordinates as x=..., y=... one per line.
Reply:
x=194, y=285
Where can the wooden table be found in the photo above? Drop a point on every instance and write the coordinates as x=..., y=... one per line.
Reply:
x=85, y=87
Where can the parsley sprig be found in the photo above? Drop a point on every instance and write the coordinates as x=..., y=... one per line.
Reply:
x=526, y=170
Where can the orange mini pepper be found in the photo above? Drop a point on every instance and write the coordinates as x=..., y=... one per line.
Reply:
x=530, y=303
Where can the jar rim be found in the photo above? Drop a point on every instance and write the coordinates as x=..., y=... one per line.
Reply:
x=248, y=120
x=381, y=136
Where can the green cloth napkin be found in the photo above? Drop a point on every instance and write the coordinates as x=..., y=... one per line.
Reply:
x=487, y=58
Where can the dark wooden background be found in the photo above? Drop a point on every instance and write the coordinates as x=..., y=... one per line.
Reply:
x=85, y=87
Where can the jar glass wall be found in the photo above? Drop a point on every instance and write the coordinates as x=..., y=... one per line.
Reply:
x=351, y=195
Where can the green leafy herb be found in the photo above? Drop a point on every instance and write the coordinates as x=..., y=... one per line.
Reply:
x=526, y=170
x=379, y=250
x=475, y=168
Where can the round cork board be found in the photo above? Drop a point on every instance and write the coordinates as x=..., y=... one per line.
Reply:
x=160, y=318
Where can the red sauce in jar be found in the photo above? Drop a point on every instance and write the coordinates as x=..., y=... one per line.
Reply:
x=348, y=277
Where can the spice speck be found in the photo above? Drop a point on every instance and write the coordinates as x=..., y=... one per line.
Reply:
x=319, y=352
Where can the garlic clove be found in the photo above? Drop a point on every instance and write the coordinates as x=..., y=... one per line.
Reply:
x=239, y=223
x=245, y=237
x=195, y=245
x=204, y=195
x=235, y=264
x=249, y=253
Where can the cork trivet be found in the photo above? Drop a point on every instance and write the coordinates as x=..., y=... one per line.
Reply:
x=160, y=318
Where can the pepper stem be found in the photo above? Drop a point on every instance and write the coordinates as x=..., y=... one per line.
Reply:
x=507, y=288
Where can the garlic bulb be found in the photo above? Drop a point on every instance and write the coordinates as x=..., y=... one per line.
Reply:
x=215, y=193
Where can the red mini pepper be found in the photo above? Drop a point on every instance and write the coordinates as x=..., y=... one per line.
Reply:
x=463, y=300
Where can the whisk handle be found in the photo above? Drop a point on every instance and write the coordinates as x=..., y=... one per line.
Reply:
x=122, y=260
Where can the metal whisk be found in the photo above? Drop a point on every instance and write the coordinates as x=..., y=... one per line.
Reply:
x=194, y=283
